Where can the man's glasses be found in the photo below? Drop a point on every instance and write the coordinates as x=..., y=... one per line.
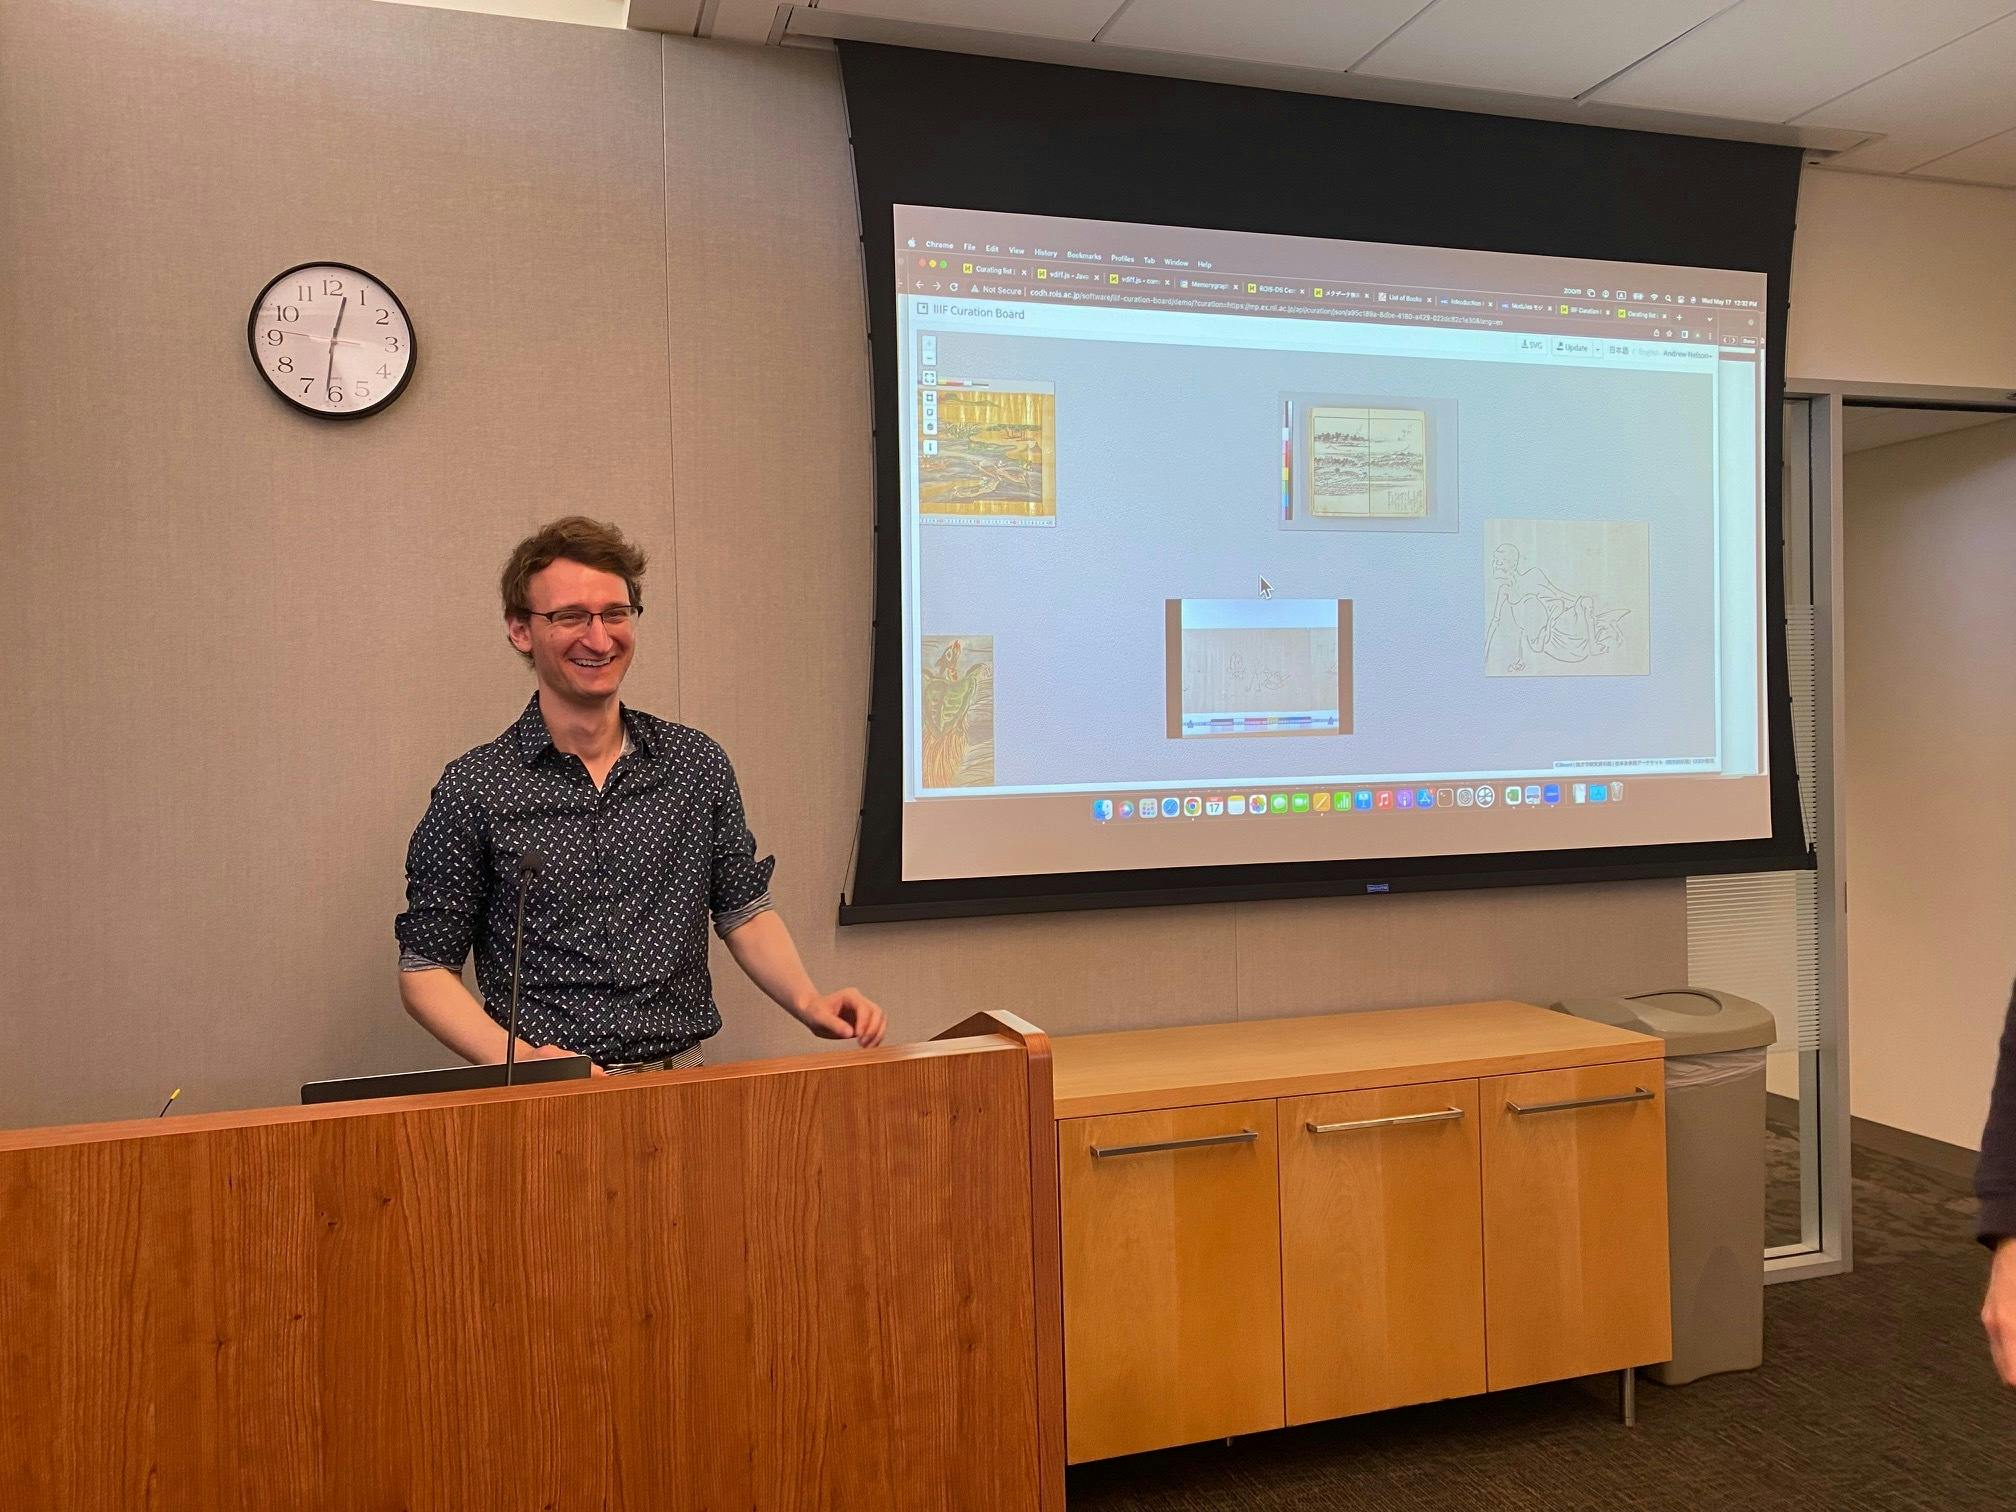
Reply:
x=575, y=620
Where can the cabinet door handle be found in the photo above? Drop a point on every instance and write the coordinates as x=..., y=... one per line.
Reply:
x=1385, y=1123
x=1107, y=1152
x=1637, y=1095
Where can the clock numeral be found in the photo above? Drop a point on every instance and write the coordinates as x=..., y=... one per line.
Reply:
x=332, y=287
x=391, y=343
x=307, y=384
x=273, y=338
x=384, y=317
x=286, y=364
x=361, y=390
x=305, y=293
x=287, y=313
x=385, y=373
x=335, y=394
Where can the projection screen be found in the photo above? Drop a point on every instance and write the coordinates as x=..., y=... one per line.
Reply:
x=1229, y=548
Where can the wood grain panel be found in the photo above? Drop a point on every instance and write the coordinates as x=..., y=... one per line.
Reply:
x=809, y=1288
x=1575, y=1258
x=1046, y=1243
x=1172, y=1281
x=1382, y=1251
x=1211, y=1063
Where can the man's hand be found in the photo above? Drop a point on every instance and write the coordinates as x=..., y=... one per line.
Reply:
x=1998, y=1312
x=845, y=1014
x=555, y=1052
x=762, y=947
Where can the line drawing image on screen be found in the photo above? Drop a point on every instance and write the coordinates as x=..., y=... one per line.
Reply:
x=958, y=722
x=1243, y=668
x=1259, y=669
x=1369, y=462
x=1365, y=461
x=1535, y=627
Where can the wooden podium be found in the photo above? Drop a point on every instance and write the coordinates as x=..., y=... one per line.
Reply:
x=830, y=1281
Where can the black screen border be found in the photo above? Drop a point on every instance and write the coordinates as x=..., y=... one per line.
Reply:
x=990, y=134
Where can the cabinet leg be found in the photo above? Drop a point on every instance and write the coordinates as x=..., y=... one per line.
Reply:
x=1627, y=1396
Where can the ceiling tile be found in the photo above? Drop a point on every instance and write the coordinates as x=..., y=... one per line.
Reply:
x=1989, y=162
x=1265, y=31
x=1768, y=60
x=1939, y=103
x=1077, y=20
x=1556, y=48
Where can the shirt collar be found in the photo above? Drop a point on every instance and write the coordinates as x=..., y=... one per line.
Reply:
x=638, y=728
x=531, y=738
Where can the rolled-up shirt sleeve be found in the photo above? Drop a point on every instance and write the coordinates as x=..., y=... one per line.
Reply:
x=447, y=880
x=739, y=885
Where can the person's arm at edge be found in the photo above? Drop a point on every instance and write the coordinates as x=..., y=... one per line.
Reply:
x=446, y=1009
x=1998, y=1310
x=1995, y=1184
x=768, y=956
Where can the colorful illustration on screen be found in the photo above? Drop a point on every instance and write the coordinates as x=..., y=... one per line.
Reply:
x=958, y=714
x=987, y=452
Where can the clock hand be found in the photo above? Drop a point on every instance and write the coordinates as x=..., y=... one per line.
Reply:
x=326, y=377
x=310, y=336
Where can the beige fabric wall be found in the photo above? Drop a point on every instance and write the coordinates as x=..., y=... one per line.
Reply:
x=241, y=644
x=1931, y=548
x=1900, y=282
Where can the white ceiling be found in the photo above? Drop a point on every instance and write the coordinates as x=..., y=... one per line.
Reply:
x=1921, y=88
x=1866, y=429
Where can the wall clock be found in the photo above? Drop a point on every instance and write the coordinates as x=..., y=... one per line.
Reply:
x=332, y=340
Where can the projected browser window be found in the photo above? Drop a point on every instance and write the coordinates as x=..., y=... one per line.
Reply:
x=1322, y=550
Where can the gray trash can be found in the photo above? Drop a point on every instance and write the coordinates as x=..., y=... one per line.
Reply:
x=1714, y=1168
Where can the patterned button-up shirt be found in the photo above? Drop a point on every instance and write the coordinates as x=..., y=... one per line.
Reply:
x=615, y=961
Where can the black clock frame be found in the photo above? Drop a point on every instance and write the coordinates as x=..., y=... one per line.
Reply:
x=378, y=406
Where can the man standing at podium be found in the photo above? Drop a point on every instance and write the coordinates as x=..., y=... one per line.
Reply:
x=636, y=830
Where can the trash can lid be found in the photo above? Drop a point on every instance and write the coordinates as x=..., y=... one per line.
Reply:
x=1692, y=1020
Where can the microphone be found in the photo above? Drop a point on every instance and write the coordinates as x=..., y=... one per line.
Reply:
x=529, y=866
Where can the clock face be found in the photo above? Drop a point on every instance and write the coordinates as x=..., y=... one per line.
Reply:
x=331, y=340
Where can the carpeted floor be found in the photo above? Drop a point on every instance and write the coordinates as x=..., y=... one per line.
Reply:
x=1782, y=1219
x=1876, y=1392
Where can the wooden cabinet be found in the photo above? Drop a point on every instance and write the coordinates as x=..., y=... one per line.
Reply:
x=1281, y=1222
x=1382, y=1258
x=1172, y=1277
x=1575, y=1222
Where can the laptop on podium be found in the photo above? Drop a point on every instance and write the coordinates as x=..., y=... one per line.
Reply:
x=446, y=1079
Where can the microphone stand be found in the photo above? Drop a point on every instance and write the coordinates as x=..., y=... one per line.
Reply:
x=528, y=867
